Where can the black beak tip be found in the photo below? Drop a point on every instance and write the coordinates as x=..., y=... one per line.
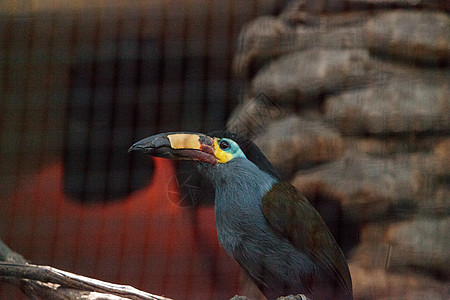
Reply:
x=151, y=144
x=136, y=147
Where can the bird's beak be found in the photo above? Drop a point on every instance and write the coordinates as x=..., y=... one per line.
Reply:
x=179, y=146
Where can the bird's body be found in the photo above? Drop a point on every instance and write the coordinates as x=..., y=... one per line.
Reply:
x=269, y=259
x=276, y=265
x=271, y=230
x=240, y=198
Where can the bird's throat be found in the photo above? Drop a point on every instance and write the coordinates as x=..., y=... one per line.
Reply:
x=238, y=203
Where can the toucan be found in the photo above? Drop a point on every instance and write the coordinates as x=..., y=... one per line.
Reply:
x=264, y=223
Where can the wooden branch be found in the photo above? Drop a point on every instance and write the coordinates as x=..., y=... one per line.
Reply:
x=51, y=283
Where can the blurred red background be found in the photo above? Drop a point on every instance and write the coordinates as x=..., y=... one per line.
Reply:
x=145, y=240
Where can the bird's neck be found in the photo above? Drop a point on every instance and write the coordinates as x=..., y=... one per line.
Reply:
x=238, y=201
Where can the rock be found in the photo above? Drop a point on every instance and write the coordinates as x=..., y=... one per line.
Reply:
x=441, y=202
x=268, y=37
x=262, y=39
x=400, y=107
x=431, y=170
x=385, y=146
x=254, y=116
x=431, y=167
x=367, y=188
x=435, y=201
x=441, y=154
x=376, y=283
x=431, y=173
x=300, y=12
x=296, y=141
x=336, y=6
x=373, y=251
x=360, y=97
x=309, y=74
x=421, y=244
x=415, y=35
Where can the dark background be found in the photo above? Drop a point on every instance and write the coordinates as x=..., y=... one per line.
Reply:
x=78, y=85
x=356, y=92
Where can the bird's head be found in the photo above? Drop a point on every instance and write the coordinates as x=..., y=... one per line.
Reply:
x=219, y=148
x=190, y=146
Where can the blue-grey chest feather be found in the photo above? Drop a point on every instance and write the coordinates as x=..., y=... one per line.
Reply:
x=243, y=230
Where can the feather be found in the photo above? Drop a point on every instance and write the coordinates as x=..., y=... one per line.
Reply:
x=290, y=213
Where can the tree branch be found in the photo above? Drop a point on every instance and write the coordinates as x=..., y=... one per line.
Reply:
x=51, y=283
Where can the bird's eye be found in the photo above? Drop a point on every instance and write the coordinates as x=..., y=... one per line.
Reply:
x=224, y=145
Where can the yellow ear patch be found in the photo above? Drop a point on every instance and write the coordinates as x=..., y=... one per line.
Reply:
x=184, y=141
x=222, y=156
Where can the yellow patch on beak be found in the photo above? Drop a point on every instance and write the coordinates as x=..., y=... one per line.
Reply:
x=184, y=141
x=222, y=156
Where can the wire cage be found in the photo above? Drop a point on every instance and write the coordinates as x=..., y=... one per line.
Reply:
x=80, y=83
x=349, y=100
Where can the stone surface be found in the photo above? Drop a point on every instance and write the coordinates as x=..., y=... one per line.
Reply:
x=431, y=173
x=368, y=188
x=376, y=283
x=297, y=141
x=441, y=154
x=373, y=82
x=309, y=74
x=400, y=107
x=337, y=6
x=261, y=39
x=268, y=37
x=434, y=201
x=418, y=244
x=385, y=146
x=254, y=116
x=421, y=243
x=414, y=35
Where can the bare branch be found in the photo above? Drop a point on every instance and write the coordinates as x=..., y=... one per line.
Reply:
x=51, y=283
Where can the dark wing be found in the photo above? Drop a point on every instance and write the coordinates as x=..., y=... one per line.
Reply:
x=290, y=213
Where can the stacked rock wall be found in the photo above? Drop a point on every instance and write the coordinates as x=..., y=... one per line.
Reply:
x=350, y=100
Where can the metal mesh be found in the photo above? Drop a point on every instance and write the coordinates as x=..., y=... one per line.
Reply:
x=77, y=86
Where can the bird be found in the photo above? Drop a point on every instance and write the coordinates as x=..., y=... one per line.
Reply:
x=272, y=231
